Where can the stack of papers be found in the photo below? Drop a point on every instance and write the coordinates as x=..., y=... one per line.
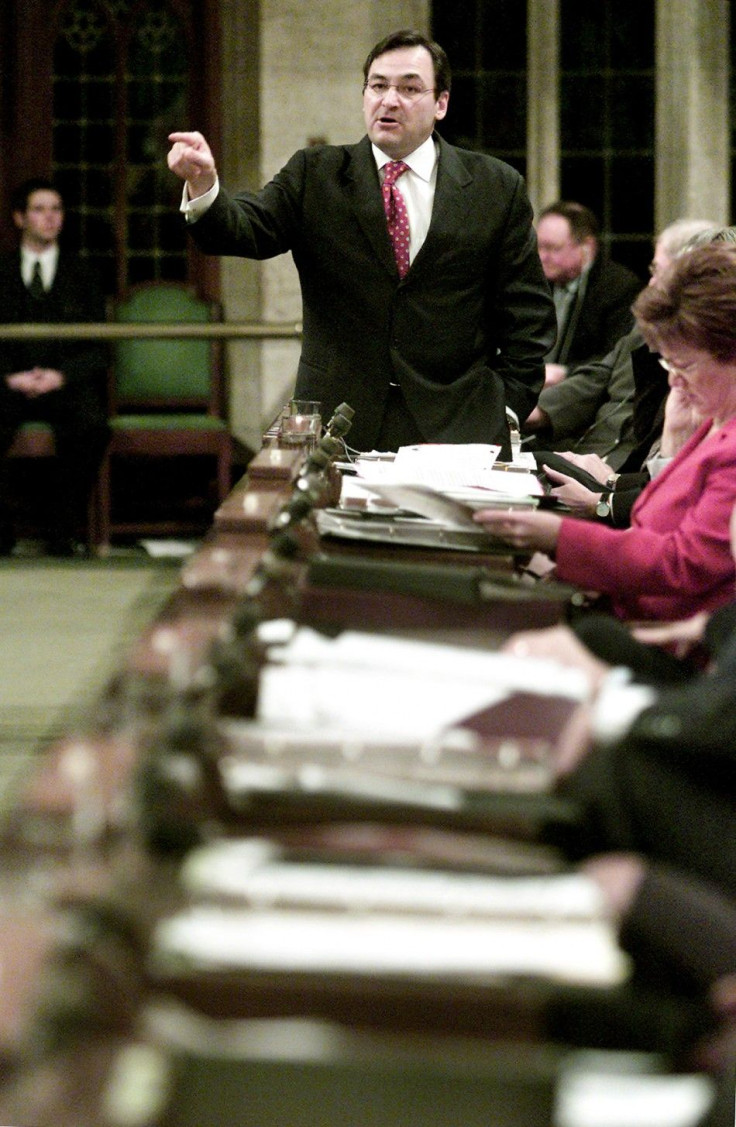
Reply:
x=447, y=947
x=334, y=684
x=467, y=473
x=441, y=484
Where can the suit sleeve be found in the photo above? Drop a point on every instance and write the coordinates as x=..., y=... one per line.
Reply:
x=572, y=404
x=524, y=312
x=80, y=360
x=257, y=225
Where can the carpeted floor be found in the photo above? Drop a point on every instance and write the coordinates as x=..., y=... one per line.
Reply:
x=64, y=627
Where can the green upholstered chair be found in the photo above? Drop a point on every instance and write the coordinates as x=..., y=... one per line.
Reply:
x=167, y=400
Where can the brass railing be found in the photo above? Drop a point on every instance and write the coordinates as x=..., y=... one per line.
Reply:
x=106, y=330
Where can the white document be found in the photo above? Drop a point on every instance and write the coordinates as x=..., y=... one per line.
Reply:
x=369, y=684
x=417, y=947
x=450, y=469
x=244, y=869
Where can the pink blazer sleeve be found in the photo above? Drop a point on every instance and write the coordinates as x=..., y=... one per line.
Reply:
x=675, y=559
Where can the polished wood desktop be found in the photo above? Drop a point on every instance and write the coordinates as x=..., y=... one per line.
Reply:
x=87, y=819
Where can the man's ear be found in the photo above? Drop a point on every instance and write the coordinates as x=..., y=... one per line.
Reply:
x=588, y=251
x=19, y=219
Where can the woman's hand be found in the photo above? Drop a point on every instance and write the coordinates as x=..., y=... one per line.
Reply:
x=571, y=493
x=532, y=531
x=681, y=421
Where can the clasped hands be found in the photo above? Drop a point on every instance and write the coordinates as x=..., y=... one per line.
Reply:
x=35, y=381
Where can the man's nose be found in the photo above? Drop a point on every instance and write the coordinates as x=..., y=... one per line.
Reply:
x=391, y=96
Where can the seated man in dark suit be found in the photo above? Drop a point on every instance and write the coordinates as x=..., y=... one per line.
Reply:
x=59, y=382
x=650, y=767
x=593, y=295
x=605, y=406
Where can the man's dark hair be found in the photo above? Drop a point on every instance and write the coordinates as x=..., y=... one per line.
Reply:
x=408, y=38
x=583, y=222
x=22, y=194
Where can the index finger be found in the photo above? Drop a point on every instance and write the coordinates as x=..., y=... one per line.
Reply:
x=186, y=138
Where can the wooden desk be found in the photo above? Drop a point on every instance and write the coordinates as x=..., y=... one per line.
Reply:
x=172, y=652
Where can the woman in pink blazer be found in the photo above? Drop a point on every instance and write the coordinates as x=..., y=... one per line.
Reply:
x=674, y=560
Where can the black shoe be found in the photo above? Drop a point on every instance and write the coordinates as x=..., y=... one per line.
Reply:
x=7, y=543
x=64, y=548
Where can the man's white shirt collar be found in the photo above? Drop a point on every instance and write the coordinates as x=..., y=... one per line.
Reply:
x=422, y=161
x=48, y=259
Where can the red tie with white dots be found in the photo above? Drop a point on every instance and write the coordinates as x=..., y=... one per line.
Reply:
x=397, y=217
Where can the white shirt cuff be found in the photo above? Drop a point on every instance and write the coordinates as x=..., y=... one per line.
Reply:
x=617, y=705
x=656, y=464
x=193, y=209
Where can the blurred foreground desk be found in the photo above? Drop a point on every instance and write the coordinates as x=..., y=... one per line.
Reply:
x=137, y=1028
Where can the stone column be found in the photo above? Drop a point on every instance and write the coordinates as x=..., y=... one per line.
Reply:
x=543, y=102
x=692, y=133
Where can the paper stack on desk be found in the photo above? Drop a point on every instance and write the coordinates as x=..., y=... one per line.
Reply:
x=467, y=473
x=373, y=685
x=388, y=721
x=425, y=495
x=306, y=918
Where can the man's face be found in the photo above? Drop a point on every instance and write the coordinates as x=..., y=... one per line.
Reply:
x=661, y=261
x=42, y=220
x=563, y=259
x=398, y=123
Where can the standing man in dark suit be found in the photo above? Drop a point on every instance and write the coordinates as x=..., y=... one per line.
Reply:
x=593, y=295
x=55, y=381
x=434, y=345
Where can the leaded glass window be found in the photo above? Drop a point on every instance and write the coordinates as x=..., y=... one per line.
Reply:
x=119, y=86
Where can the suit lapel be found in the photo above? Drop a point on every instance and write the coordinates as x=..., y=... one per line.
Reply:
x=449, y=210
x=363, y=193
x=364, y=197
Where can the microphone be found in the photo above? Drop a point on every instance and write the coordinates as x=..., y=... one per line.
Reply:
x=344, y=411
x=275, y=564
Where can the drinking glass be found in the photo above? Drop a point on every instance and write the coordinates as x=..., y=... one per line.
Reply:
x=301, y=424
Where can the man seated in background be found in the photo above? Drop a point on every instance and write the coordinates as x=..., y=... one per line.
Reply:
x=592, y=411
x=593, y=295
x=591, y=482
x=59, y=382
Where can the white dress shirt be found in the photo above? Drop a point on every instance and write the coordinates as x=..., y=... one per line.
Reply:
x=417, y=187
x=48, y=261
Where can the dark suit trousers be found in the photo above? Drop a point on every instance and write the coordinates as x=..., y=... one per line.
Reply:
x=76, y=416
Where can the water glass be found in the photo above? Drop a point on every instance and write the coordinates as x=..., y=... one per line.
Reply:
x=301, y=424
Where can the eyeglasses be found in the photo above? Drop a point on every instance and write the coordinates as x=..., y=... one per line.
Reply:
x=673, y=366
x=408, y=91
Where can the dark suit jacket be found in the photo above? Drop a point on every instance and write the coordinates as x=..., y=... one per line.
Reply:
x=601, y=314
x=668, y=788
x=466, y=330
x=76, y=295
x=591, y=410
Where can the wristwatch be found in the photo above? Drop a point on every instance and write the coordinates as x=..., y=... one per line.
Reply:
x=603, y=508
